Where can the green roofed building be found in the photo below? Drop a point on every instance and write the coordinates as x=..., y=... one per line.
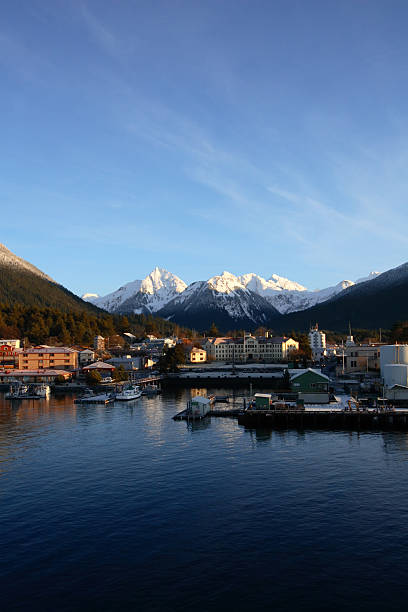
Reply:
x=309, y=381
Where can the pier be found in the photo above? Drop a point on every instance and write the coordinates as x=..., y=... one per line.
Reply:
x=95, y=399
x=390, y=420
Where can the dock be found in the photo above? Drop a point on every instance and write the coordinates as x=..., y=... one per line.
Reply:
x=390, y=420
x=94, y=399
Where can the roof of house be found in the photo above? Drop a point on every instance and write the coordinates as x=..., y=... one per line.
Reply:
x=99, y=365
x=12, y=373
x=301, y=372
x=47, y=349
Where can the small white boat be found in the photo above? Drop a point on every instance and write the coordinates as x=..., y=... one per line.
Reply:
x=128, y=392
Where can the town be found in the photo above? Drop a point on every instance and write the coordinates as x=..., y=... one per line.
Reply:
x=314, y=372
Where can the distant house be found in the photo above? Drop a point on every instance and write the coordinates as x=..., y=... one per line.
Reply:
x=311, y=385
x=129, y=338
x=15, y=343
x=197, y=355
x=99, y=343
x=104, y=369
x=86, y=356
x=309, y=381
x=8, y=356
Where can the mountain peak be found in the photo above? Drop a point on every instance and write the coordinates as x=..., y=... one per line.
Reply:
x=9, y=259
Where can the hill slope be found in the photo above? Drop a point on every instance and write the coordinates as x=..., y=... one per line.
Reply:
x=21, y=282
x=379, y=302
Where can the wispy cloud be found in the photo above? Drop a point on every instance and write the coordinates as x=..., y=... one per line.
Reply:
x=100, y=32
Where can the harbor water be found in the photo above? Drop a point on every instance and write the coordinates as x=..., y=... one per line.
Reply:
x=119, y=507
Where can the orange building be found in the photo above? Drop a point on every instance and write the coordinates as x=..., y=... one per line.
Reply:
x=48, y=357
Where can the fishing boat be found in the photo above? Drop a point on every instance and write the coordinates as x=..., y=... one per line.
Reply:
x=128, y=392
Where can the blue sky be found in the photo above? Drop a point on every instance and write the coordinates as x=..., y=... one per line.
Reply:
x=253, y=136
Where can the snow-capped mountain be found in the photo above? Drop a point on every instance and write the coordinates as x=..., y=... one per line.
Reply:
x=287, y=296
x=240, y=298
x=222, y=300
x=9, y=260
x=142, y=296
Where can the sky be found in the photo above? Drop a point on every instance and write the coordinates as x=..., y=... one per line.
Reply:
x=204, y=135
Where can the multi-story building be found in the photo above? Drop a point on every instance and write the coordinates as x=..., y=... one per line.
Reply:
x=47, y=357
x=250, y=348
x=99, y=343
x=317, y=341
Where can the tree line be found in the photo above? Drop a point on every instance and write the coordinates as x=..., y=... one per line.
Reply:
x=43, y=325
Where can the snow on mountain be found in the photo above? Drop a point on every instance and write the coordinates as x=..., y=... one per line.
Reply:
x=89, y=297
x=222, y=300
x=371, y=276
x=147, y=295
x=8, y=259
x=112, y=301
x=160, y=288
x=287, y=296
x=274, y=283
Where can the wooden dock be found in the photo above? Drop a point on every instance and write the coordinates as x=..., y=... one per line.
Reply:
x=184, y=415
x=94, y=399
x=392, y=420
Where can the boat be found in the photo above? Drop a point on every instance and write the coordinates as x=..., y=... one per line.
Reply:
x=151, y=390
x=128, y=392
x=41, y=390
x=19, y=391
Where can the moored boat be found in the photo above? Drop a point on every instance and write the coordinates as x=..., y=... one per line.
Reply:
x=128, y=392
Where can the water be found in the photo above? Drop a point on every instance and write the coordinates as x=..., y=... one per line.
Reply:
x=121, y=508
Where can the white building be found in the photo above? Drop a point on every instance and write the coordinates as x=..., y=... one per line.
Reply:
x=250, y=348
x=86, y=357
x=99, y=343
x=317, y=341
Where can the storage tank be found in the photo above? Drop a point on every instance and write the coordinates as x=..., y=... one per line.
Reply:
x=395, y=374
x=393, y=353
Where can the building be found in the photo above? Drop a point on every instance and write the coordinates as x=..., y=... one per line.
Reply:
x=317, y=341
x=197, y=355
x=34, y=376
x=311, y=385
x=85, y=357
x=128, y=362
x=8, y=356
x=99, y=343
x=358, y=358
x=104, y=369
x=47, y=357
x=14, y=343
x=394, y=371
x=250, y=348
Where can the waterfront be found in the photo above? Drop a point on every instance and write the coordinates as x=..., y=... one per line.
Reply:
x=121, y=508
